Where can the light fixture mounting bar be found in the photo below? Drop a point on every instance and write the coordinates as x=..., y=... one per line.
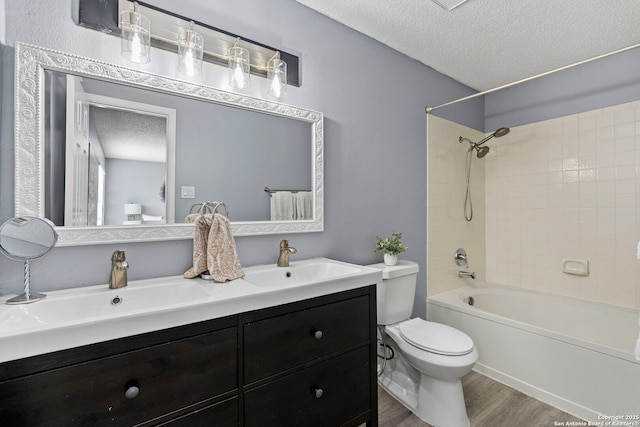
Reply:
x=102, y=15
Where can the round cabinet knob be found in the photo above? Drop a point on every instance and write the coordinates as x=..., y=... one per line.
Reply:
x=132, y=392
x=317, y=334
x=318, y=392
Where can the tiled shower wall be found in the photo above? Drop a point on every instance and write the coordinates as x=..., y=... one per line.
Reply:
x=567, y=188
x=446, y=227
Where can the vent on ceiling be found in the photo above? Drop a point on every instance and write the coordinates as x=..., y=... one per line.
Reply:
x=449, y=5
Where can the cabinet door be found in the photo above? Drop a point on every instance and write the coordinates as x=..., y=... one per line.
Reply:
x=168, y=377
x=280, y=343
x=330, y=393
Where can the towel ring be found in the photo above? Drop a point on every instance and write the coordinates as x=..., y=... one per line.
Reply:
x=203, y=208
x=209, y=208
x=215, y=207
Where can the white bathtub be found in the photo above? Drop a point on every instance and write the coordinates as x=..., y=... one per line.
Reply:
x=574, y=354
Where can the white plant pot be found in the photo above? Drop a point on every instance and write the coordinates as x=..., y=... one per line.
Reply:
x=390, y=259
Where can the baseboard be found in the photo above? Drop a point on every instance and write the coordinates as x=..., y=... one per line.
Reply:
x=539, y=394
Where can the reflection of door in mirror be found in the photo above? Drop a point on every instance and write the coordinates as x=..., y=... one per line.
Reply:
x=116, y=152
x=77, y=156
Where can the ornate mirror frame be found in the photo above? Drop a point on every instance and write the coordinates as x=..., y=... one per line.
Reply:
x=32, y=61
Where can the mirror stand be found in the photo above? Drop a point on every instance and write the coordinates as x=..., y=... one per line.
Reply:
x=26, y=297
x=25, y=239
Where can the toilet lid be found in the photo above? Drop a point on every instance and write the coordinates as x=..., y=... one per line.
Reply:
x=435, y=337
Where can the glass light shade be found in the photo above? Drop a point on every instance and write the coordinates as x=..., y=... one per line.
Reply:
x=277, y=77
x=239, y=67
x=190, y=51
x=135, y=44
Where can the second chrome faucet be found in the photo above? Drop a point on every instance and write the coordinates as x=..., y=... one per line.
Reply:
x=285, y=251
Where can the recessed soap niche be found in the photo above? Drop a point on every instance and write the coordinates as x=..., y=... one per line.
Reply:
x=577, y=267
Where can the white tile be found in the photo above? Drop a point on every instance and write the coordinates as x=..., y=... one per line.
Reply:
x=624, y=116
x=570, y=188
x=624, y=130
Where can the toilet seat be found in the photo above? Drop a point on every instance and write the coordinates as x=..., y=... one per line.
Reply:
x=435, y=337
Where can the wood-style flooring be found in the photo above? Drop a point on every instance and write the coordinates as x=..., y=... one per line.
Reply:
x=489, y=404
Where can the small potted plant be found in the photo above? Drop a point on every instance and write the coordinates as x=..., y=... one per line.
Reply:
x=390, y=247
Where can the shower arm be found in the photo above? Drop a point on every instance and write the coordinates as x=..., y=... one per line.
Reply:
x=485, y=139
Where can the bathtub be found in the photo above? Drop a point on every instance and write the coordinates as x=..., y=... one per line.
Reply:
x=573, y=354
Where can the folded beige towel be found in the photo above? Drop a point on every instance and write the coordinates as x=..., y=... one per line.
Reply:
x=214, y=249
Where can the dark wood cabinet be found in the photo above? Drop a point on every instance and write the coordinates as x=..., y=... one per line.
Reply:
x=330, y=393
x=283, y=342
x=308, y=363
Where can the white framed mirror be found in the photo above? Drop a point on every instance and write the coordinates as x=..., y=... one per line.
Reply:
x=241, y=179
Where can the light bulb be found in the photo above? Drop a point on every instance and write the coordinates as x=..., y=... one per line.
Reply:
x=189, y=62
x=237, y=78
x=136, y=47
x=239, y=67
x=277, y=75
x=276, y=87
x=190, y=52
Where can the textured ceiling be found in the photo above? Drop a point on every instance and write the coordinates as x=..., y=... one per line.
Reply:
x=130, y=136
x=488, y=43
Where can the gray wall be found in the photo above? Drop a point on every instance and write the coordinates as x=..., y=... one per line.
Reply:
x=132, y=181
x=602, y=83
x=375, y=134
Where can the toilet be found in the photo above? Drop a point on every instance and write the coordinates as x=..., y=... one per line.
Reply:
x=423, y=362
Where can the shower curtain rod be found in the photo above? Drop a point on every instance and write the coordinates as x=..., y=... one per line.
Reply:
x=429, y=110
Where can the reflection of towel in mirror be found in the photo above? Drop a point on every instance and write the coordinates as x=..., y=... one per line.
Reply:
x=304, y=204
x=214, y=249
x=282, y=206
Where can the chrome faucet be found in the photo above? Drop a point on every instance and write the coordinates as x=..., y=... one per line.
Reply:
x=467, y=274
x=285, y=251
x=119, y=267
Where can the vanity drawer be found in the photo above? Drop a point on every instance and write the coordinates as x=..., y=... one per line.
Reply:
x=280, y=343
x=223, y=414
x=169, y=377
x=296, y=399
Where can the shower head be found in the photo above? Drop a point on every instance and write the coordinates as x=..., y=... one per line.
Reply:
x=498, y=133
x=501, y=132
x=482, y=151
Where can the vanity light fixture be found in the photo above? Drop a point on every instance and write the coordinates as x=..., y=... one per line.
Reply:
x=141, y=25
x=190, y=51
x=239, y=66
x=277, y=76
x=135, y=35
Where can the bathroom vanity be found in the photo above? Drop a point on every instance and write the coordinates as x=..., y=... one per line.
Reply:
x=308, y=361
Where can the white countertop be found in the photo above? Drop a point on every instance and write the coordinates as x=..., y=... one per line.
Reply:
x=80, y=316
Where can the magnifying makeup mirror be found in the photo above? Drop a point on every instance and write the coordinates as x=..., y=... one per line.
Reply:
x=27, y=238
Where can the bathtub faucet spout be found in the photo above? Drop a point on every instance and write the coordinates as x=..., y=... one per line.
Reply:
x=467, y=274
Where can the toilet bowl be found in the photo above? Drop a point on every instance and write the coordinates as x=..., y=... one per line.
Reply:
x=422, y=362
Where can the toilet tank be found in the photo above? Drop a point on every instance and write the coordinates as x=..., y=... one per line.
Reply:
x=396, y=293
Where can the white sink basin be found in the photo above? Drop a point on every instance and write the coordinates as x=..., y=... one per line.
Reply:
x=94, y=302
x=300, y=273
